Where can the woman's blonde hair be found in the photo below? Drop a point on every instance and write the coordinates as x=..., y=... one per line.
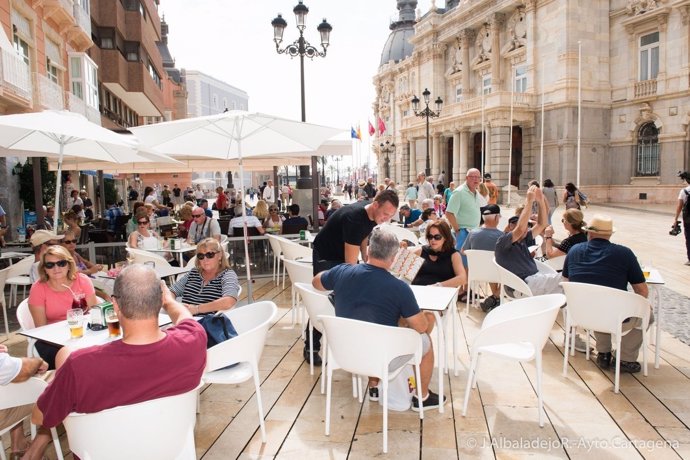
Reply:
x=261, y=210
x=64, y=254
x=483, y=189
x=212, y=244
x=70, y=215
x=575, y=218
x=185, y=213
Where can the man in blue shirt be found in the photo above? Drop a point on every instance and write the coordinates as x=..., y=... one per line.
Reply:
x=368, y=292
x=409, y=215
x=600, y=262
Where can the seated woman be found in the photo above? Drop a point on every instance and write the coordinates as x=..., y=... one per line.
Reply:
x=261, y=210
x=573, y=223
x=211, y=285
x=274, y=222
x=71, y=223
x=84, y=266
x=50, y=298
x=442, y=263
x=428, y=216
x=143, y=237
x=185, y=215
x=132, y=222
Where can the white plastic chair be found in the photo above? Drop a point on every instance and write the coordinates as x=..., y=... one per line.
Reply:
x=365, y=348
x=18, y=275
x=556, y=263
x=317, y=303
x=142, y=256
x=509, y=279
x=294, y=251
x=251, y=323
x=402, y=233
x=3, y=279
x=543, y=267
x=480, y=268
x=518, y=331
x=299, y=272
x=20, y=394
x=603, y=309
x=159, y=428
x=26, y=322
x=277, y=250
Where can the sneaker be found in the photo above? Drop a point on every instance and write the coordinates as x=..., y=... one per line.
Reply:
x=604, y=360
x=430, y=402
x=630, y=367
x=373, y=393
x=317, y=358
x=489, y=303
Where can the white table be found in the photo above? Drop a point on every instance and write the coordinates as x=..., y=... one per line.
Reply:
x=104, y=282
x=177, y=252
x=59, y=334
x=14, y=255
x=655, y=281
x=437, y=300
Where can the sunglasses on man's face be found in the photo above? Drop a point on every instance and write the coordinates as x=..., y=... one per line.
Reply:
x=59, y=263
x=436, y=237
x=208, y=255
x=69, y=241
x=197, y=215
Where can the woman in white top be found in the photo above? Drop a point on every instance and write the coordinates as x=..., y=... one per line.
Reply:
x=143, y=237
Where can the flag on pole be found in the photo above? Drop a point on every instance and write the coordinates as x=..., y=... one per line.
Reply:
x=359, y=133
x=353, y=133
x=382, y=126
x=372, y=131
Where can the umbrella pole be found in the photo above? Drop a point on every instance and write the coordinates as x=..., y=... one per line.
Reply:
x=58, y=183
x=250, y=298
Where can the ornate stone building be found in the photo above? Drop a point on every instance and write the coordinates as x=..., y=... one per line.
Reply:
x=634, y=86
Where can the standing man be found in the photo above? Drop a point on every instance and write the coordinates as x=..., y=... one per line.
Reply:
x=424, y=189
x=462, y=212
x=370, y=188
x=177, y=196
x=684, y=207
x=493, y=189
x=268, y=193
x=344, y=238
x=285, y=196
x=600, y=262
x=442, y=178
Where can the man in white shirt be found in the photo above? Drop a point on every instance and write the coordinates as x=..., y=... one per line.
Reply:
x=202, y=227
x=252, y=221
x=425, y=189
x=269, y=193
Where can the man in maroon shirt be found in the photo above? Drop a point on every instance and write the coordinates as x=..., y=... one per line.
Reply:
x=146, y=364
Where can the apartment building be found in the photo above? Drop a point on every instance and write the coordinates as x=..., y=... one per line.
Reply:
x=624, y=65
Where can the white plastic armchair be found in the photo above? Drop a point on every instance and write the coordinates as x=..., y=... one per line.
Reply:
x=21, y=394
x=543, y=267
x=276, y=248
x=556, y=263
x=509, y=279
x=480, y=268
x=159, y=428
x=142, y=256
x=252, y=323
x=26, y=322
x=317, y=303
x=293, y=251
x=299, y=272
x=402, y=233
x=518, y=330
x=603, y=309
x=18, y=275
x=365, y=348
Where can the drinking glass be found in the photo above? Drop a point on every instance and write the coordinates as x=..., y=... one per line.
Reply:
x=75, y=321
x=113, y=323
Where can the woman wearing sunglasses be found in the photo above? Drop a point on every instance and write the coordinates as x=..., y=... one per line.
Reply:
x=52, y=296
x=211, y=285
x=274, y=221
x=84, y=266
x=442, y=263
x=143, y=237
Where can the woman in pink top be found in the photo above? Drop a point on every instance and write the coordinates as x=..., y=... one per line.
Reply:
x=51, y=297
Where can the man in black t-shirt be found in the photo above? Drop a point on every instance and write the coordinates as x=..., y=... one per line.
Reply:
x=344, y=238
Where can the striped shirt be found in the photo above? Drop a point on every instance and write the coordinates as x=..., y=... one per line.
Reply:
x=192, y=290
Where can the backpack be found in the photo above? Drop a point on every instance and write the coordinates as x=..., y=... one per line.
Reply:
x=686, y=206
x=571, y=203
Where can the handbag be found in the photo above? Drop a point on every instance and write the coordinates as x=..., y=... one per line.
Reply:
x=218, y=328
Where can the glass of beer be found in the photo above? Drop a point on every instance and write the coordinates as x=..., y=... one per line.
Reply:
x=75, y=321
x=113, y=323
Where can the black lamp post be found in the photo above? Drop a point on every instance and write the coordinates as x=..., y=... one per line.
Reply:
x=427, y=113
x=387, y=148
x=302, y=48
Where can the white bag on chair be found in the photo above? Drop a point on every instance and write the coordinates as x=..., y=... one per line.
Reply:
x=400, y=390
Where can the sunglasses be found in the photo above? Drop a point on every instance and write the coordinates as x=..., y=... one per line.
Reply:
x=69, y=241
x=208, y=255
x=59, y=263
x=142, y=222
x=436, y=237
x=273, y=210
x=197, y=215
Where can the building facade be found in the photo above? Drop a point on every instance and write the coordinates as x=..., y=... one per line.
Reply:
x=209, y=96
x=625, y=63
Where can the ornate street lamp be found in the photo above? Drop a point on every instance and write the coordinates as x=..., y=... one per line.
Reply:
x=387, y=148
x=302, y=48
x=427, y=113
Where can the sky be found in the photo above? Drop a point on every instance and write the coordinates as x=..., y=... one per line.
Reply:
x=232, y=40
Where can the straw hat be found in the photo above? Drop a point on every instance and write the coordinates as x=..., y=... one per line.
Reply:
x=600, y=224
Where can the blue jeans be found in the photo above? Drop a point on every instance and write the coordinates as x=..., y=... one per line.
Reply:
x=460, y=238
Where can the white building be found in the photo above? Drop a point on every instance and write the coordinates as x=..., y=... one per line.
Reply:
x=208, y=95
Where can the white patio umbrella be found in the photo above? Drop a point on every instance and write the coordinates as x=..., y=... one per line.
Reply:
x=62, y=133
x=234, y=135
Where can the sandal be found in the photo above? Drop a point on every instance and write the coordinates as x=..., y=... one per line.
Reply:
x=17, y=455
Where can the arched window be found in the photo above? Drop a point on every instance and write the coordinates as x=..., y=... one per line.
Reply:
x=648, y=151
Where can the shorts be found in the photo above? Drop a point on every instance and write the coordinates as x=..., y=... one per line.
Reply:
x=400, y=361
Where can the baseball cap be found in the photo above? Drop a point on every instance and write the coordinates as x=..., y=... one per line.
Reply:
x=490, y=209
x=43, y=236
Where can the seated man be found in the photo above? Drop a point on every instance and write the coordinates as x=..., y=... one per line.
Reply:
x=202, y=227
x=600, y=262
x=409, y=215
x=368, y=292
x=512, y=251
x=148, y=363
x=294, y=219
x=252, y=222
x=484, y=239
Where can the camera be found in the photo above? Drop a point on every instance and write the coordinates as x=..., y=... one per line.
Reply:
x=675, y=229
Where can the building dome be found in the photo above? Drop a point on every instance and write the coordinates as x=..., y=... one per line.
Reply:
x=398, y=45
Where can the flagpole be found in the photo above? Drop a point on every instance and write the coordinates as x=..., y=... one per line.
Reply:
x=541, y=149
x=579, y=107
x=481, y=166
x=510, y=127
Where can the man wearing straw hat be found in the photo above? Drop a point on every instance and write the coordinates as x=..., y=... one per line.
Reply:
x=600, y=262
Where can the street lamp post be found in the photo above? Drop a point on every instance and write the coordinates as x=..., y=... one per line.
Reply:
x=387, y=148
x=427, y=113
x=302, y=48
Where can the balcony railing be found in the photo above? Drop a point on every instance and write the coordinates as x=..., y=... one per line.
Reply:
x=50, y=95
x=77, y=105
x=82, y=18
x=15, y=74
x=497, y=99
x=645, y=88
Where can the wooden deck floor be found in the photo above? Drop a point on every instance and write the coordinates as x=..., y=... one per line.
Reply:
x=649, y=418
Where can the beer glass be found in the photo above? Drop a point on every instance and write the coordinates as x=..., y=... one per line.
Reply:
x=75, y=320
x=113, y=323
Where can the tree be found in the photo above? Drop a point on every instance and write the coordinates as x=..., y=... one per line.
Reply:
x=26, y=183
